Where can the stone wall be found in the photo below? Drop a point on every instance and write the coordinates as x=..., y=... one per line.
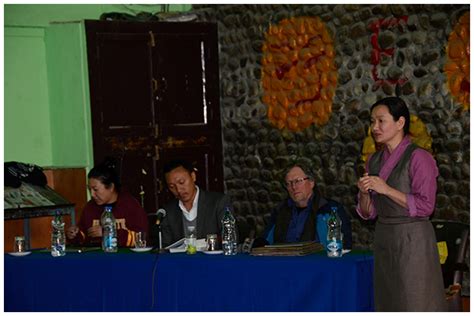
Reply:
x=379, y=50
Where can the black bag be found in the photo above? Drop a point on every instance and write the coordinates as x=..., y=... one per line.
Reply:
x=18, y=172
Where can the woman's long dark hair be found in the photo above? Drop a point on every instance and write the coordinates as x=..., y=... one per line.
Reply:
x=397, y=108
x=106, y=173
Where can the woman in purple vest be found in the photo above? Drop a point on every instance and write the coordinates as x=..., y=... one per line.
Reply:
x=399, y=188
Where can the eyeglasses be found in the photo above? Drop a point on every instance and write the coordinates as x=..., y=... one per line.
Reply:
x=297, y=182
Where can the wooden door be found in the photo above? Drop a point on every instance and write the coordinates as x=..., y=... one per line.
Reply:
x=186, y=95
x=154, y=97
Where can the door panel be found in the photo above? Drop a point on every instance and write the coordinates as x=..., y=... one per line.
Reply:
x=181, y=81
x=186, y=99
x=139, y=172
x=125, y=86
x=136, y=166
x=122, y=108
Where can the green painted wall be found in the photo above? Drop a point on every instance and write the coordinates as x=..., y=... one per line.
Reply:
x=27, y=125
x=43, y=14
x=46, y=91
x=69, y=95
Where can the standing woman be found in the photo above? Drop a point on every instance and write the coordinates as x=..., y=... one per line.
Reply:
x=400, y=189
x=105, y=190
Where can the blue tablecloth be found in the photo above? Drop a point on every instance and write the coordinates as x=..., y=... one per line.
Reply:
x=126, y=281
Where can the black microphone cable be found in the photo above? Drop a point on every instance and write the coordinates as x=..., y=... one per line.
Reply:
x=161, y=213
x=153, y=281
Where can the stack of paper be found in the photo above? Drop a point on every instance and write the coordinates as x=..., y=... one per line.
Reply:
x=289, y=249
x=180, y=245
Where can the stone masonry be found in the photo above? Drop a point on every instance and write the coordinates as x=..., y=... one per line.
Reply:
x=256, y=152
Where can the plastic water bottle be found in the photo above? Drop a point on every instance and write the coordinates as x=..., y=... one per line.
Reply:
x=229, y=233
x=334, y=238
x=58, y=237
x=109, y=230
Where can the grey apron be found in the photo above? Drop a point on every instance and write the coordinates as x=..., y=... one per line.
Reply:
x=407, y=272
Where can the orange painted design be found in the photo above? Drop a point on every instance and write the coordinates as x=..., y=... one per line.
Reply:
x=299, y=76
x=457, y=65
x=418, y=134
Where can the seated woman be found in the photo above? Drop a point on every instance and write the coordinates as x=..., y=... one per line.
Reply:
x=105, y=190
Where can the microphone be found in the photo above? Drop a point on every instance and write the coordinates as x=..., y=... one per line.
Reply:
x=372, y=174
x=160, y=214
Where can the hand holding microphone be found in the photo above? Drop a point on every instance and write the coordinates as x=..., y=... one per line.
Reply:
x=366, y=183
x=372, y=174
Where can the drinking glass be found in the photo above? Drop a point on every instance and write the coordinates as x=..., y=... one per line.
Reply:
x=140, y=240
x=190, y=240
x=211, y=242
x=20, y=244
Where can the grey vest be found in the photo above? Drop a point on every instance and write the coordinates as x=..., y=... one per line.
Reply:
x=187, y=223
x=388, y=211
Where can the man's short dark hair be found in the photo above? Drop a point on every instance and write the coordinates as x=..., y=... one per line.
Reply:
x=176, y=163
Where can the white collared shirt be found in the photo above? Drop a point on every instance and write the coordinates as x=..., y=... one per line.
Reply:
x=192, y=213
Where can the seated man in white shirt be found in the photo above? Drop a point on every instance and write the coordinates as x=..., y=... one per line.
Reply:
x=192, y=206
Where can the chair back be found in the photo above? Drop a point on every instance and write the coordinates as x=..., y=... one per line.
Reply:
x=456, y=236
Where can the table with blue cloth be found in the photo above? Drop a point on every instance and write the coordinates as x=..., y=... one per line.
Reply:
x=133, y=282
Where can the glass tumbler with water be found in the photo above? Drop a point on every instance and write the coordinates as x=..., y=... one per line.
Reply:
x=191, y=240
x=211, y=240
x=20, y=244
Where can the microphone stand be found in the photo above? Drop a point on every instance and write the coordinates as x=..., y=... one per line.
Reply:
x=160, y=241
x=159, y=218
x=160, y=249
